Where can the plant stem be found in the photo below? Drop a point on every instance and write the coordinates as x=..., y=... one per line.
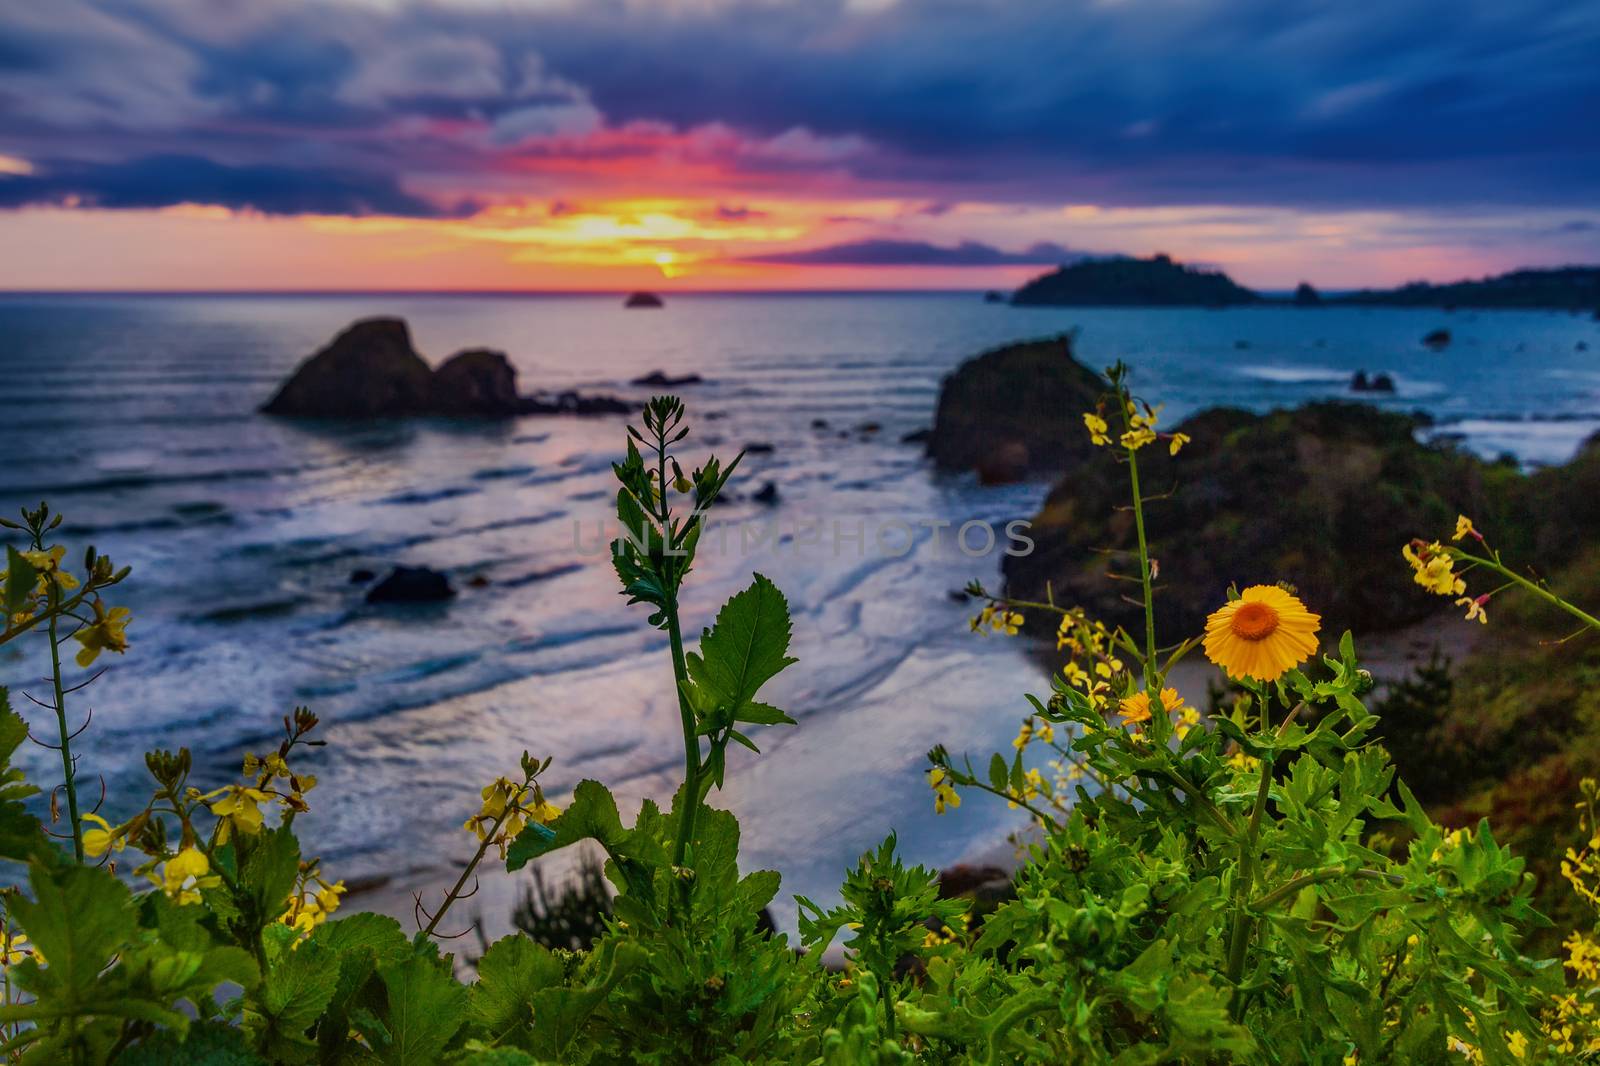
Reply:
x=65, y=733
x=1317, y=877
x=1533, y=587
x=691, y=739
x=455, y=891
x=1244, y=884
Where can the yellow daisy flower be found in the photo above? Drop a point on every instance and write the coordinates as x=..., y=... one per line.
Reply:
x=1136, y=708
x=1262, y=634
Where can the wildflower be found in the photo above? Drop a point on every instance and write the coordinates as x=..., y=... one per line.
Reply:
x=1134, y=439
x=1517, y=1044
x=1464, y=528
x=1098, y=430
x=1024, y=735
x=48, y=565
x=13, y=948
x=507, y=810
x=1176, y=442
x=1188, y=718
x=1243, y=762
x=105, y=633
x=1475, y=612
x=945, y=796
x=185, y=874
x=239, y=810
x=1583, y=956
x=1433, y=568
x=1136, y=708
x=1032, y=786
x=1262, y=634
x=102, y=838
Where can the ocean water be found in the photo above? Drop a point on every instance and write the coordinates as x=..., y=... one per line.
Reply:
x=136, y=417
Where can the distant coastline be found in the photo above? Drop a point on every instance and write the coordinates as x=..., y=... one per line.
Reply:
x=1160, y=281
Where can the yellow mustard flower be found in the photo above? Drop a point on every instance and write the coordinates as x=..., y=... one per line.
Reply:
x=1262, y=634
x=1243, y=762
x=1098, y=430
x=185, y=874
x=945, y=796
x=1134, y=439
x=1474, y=606
x=105, y=633
x=1583, y=956
x=1433, y=568
x=1176, y=442
x=239, y=809
x=48, y=565
x=14, y=948
x=102, y=837
x=1464, y=528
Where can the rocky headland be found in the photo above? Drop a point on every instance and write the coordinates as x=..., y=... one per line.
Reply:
x=1128, y=282
x=371, y=370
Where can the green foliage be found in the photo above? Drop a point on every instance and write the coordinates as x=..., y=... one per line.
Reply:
x=1228, y=891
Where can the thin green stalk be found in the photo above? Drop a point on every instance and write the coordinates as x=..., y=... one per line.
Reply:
x=1317, y=877
x=1533, y=587
x=1244, y=883
x=65, y=734
x=1151, y=681
x=691, y=739
x=455, y=890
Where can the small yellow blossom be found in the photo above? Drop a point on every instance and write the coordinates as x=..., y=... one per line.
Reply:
x=102, y=838
x=48, y=564
x=185, y=874
x=1583, y=956
x=14, y=948
x=105, y=633
x=1098, y=430
x=1474, y=606
x=239, y=810
x=1433, y=568
x=1464, y=528
x=945, y=796
x=1176, y=442
x=1243, y=762
x=1134, y=439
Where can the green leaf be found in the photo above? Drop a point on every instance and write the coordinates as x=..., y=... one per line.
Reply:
x=21, y=577
x=21, y=834
x=78, y=918
x=269, y=862
x=562, y=1012
x=746, y=648
x=300, y=980
x=209, y=1044
x=426, y=1006
x=510, y=972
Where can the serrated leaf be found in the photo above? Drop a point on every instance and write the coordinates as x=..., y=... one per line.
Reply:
x=78, y=918
x=425, y=1009
x=746, y=647
x=509, y=974
x=299, y=982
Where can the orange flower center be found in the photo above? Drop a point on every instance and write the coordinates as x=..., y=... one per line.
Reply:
x=1254, y=621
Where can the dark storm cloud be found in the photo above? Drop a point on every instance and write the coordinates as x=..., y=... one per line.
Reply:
x=921, y=253
x=163, y=181
x=1477, y=104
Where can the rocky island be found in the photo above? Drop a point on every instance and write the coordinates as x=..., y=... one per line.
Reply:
x=371, y=370
x=1128, y=282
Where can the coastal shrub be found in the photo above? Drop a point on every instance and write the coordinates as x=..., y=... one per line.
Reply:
x=1256, y=886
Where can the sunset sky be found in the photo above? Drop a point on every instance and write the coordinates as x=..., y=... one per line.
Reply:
x=714, y=144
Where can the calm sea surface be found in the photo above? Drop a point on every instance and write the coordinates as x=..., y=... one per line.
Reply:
x=136, y=417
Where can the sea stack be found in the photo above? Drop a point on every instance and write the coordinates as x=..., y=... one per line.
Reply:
x=640, y=300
